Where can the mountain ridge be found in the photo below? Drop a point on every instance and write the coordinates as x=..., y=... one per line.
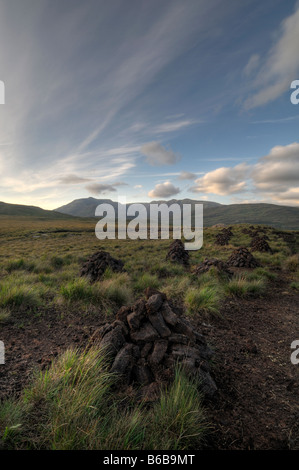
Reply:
x=284, y=217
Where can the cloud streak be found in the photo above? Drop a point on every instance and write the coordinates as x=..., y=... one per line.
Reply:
x=279, y=68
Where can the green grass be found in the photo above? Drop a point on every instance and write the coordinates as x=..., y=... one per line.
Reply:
x=242, y=287
x=294, y=285
x=146, y=280
x=4, y=315
x=73, y=406
x=291, y=264
x=16, y=296
x=204, y=299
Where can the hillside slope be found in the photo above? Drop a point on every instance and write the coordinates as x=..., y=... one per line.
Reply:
x=283, y=217
x=86, y=207
x=20, y=210
x=268, y=214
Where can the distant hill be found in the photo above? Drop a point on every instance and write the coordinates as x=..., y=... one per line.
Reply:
x=20, y=210
x=283, y=217
x=86, y=207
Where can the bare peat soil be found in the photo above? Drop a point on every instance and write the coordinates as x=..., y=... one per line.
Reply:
x=257, y=405
x=32, y=341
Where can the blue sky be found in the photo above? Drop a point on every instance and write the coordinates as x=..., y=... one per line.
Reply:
x=149, y=100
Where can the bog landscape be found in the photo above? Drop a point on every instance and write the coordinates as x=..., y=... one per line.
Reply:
x=149, y=229
x=139, y=344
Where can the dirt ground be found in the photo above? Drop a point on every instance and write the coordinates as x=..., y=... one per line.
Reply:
x=256, y=406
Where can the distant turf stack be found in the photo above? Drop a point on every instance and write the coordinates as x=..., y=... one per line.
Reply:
x=260, y=244
x=208, y=264
x=177, y=253
x=224, y=236
x=96, y=265
x=242, y=258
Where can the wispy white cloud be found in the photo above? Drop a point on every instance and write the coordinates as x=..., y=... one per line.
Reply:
x=279, y=68
x=174, y=126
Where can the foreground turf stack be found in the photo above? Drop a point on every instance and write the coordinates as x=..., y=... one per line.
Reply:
x=147, y=340
x=96, y=265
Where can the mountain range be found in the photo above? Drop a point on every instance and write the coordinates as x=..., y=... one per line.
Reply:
x=283, y=217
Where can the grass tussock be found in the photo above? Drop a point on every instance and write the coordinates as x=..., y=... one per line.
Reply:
x=4, y=314
x=242, y=287
x=16, y=296
x=72, y=406
x=291, y=264
x=204, y=299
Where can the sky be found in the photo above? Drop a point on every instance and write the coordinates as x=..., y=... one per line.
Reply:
x=149, y=100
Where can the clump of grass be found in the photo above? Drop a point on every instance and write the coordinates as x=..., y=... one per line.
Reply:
x=81, y=290
x=294, y=285
x=19, y=264
x=291, y=264
x=206, y=299
x=178, y=418
x=242, y=287
x=4, y=314
x=71, y=406
x=14, y=295
x=176, y=287
x=146, y=280
x=265, y=273
x=57, y=262
x=117, y=289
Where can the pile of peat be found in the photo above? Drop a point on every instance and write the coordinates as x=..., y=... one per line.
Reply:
x=208, y=263
x=260, y=244
x=177, y=253
x=223, y=237
x=96, y=265
x=147, y=341
x=242, y=258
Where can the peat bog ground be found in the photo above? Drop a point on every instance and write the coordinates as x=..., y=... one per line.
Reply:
x=249, y=317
